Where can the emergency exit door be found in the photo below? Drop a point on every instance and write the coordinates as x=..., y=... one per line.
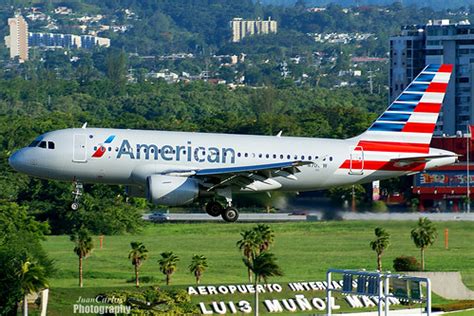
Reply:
x=79, y=151
x=356, y=165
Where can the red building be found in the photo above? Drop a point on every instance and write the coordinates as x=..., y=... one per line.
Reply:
x=445, y=188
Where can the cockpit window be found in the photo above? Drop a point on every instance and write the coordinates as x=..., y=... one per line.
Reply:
x=34, y=143
x=42, y=144
x=51, y=145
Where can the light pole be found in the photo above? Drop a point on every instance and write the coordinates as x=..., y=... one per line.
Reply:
x=468, y=180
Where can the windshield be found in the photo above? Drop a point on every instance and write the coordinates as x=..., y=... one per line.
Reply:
x=34, y=143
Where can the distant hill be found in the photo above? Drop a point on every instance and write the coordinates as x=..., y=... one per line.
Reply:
x=434, y=4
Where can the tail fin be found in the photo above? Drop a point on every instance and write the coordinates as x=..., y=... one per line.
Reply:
x=408, y=123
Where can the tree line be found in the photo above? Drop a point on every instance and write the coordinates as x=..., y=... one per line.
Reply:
x=45, y=103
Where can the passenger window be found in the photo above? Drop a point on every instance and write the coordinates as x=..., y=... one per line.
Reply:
x=330, y=158
x=50, y=145
x=42, y=144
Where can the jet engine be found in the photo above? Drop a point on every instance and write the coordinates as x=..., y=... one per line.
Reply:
x=171, y=190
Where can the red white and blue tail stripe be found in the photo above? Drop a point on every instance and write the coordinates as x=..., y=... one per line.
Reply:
x=405, y=129
x=407, y=125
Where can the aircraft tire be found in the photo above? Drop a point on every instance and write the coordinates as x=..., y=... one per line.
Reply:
x=230, y=214
x=214, y=209
x=75, y=206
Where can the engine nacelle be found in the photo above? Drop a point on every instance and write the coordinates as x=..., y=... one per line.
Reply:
x=171, y=190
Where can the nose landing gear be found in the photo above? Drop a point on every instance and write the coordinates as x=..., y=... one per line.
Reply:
x=77, y=193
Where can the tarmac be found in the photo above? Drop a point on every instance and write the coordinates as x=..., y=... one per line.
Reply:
x=315, y=216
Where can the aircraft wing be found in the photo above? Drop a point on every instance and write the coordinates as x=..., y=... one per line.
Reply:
x=245, y=176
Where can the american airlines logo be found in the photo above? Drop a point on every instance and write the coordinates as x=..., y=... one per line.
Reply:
x=101, y=149
x=188, y=152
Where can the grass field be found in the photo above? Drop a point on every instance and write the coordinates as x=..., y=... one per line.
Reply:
x=304, y=250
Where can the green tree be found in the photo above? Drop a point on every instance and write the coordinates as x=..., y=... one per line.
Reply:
x=20, y=242
x=249, y=246
x=265, y=237
x=424, y=235
x=198, y=266
x=138, y=255
x=263, y=266
x=32, y=277
x=116, y=63
x=381, y=242
x=83, y=247
x=168, y=264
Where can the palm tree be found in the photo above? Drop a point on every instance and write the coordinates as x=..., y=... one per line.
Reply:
x=380, y=244
x=263, y=266
x=198, y=266
x=424, y=235
x=138, y=254
x=249, y=246
x=32, y=277
x=168, y=264
x=265, y=236
x=83, y=247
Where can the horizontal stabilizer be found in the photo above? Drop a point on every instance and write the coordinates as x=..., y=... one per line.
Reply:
x=409, y=160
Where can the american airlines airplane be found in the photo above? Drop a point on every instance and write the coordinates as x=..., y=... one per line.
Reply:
x=178, y=168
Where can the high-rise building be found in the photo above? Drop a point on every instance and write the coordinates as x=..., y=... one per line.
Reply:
x=437, y=42
x=242, y=28
x=17, y=41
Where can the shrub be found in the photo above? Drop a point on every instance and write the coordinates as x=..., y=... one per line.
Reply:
x=455, y=306
x=379, y=207
x=406, y=263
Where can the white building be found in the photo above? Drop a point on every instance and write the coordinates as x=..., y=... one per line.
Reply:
x=242, y=28
x=17, y=41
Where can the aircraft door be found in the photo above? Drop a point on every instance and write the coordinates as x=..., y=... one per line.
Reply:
x=356, y=166
x=79, y=150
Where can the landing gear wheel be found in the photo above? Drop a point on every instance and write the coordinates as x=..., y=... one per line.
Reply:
x=76, y=193
x=230, y=214
x=214, y=209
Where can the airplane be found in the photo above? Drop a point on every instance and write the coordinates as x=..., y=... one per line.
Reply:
x=178, y=168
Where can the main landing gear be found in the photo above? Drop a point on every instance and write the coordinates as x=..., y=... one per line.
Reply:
x=77, y=193
x=229, y=214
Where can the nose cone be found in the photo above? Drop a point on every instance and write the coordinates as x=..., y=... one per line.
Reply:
x=17, y=161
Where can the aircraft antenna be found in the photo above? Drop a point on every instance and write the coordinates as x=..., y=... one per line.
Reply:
x=84, y=125
x=279, y=134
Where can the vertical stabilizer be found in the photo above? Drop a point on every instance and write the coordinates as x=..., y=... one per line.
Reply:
x=407, y=125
